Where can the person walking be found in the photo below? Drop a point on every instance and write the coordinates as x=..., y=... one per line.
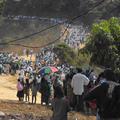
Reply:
x=20, y=90
x=34, y=92
x=78, y=82
x=31, y=54
x=60, y=105
x=45, y=91
x=27, y=90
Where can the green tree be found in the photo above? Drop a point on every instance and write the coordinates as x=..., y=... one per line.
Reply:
x=65, y=53
x=101, y=44
x=69, y=55
x=2, y=2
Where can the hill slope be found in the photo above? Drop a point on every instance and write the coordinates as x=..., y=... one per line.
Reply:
x=14, y=29
x=10, y=30
x=63, y=8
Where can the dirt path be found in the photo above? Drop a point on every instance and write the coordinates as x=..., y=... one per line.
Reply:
x=8, y=87
x=10, y=104
x=8, y=83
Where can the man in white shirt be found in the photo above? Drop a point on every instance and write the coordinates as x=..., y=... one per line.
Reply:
x=78, y=82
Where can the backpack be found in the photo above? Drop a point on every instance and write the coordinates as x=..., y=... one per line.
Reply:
x=111, y=105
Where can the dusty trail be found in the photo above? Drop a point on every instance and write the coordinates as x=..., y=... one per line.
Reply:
x=10, y=104
x=8, y=83
x=8, y=87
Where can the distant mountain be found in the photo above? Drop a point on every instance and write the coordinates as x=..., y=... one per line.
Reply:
x=63, y=8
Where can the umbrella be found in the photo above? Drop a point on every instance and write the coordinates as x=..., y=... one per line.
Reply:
x=54, y=69
x=47, y=70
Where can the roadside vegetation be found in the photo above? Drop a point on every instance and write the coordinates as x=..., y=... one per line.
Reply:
x=102, y=47
x=104, y=43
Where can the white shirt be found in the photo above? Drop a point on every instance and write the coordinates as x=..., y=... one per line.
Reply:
x=22, y=72
x=38, y=79
x=78, y=82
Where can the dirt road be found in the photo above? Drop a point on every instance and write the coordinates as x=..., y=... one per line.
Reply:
x=8, y=87
x=8, y=83
x=10, y=104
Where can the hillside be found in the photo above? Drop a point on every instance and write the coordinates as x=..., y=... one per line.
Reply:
x=63, y=8
x=13, y=29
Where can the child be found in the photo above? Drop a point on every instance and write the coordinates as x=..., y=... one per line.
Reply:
x=27, y=90
x=60, y=105
x=34, y=91
x=20, y=92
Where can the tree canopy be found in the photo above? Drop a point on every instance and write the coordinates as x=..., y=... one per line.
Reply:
x=1, y=5
x=104, y=43
x=69, y=55
x=65, y=53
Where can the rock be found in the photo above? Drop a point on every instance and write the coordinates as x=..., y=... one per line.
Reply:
x=2, y=114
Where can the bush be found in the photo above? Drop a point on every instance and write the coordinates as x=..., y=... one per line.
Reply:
x=102, y=43
x=69, y=55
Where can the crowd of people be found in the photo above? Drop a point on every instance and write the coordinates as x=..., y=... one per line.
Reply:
x=9, y=63
x=30, y=77
x=76, y=35
x=67, y=88
x=50, y=20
